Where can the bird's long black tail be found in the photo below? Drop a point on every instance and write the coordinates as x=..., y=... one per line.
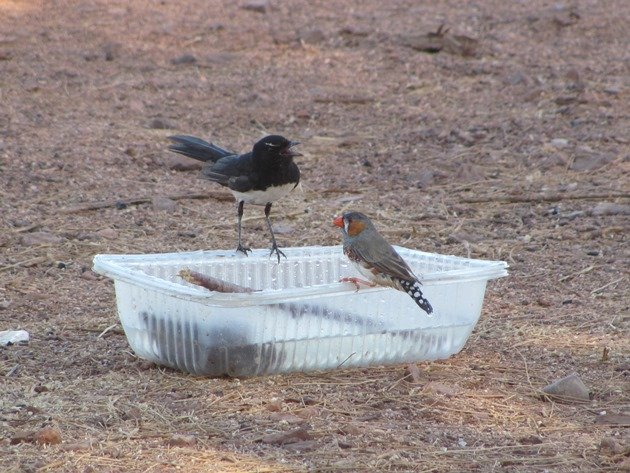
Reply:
x=413, y=289
x=197, y=148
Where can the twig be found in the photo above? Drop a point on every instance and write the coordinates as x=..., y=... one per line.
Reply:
x=111, y=327
x=31, y=261
x=595, y=291
x=347, y=358
x=544, y=198
x=221, y=196
x=577, y=273
x=210, y=283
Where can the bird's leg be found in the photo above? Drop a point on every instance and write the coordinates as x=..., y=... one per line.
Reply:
x=240, y=247
x=357, y=282
x=274, y=245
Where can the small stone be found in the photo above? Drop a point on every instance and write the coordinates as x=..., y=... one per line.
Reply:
x=552, y=161
x=40, y=238
x=48, y=436
x=441, y=388
x=176, y=162
x=260, y=6
x=610, y=208
x=160, y=123
x=314, y=36
x=610, y=445
x=516, y=79
x=425, y=179
x=467, y=173
x=5, y=304
x=283, y=438
x=612, y=90
x=283, y=229
x=89, y=275
x=569, y=388
x=308, y=412
x=559, y=143
x=108, y=233
x=412, y=373
x=285, y=417
x=590, y=161
x=350, y=429
x=145, y=365
x=274, y=406
x=184, y=59
x=179, y=440
x=164, y=203
x=304, y=446
x=22, y=436
x=77, y=447
x=111, y=50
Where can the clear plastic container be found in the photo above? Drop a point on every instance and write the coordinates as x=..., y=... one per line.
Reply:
x=302, y=319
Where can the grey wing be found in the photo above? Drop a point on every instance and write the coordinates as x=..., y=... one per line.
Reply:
x=236, y=183
x=383, y=257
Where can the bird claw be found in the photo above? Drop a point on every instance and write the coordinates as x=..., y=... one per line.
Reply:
x=278, y=251
x=243, y=249
x=357, y=282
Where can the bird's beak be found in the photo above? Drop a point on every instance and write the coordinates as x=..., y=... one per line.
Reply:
x=338, y=222
x=290, y=152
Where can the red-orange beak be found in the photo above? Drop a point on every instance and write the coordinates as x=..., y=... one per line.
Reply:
x=338, y=222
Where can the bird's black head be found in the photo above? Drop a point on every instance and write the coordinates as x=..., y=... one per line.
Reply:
x=275, y=146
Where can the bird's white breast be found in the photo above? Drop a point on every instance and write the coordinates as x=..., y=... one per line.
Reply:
x=264, y=197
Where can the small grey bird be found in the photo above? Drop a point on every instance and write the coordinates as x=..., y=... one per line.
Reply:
x=376, y=259
x=260, y=177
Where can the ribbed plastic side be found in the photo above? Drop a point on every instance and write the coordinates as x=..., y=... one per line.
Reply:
x=348, y=330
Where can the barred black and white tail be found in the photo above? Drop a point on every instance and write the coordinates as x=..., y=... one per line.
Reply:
x=413, y=289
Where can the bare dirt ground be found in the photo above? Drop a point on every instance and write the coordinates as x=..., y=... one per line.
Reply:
x=516, y=148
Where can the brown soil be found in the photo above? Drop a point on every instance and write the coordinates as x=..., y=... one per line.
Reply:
x=513, y=147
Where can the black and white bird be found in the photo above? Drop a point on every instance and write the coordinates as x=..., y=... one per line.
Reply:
x=376, y=259
x=260, y=177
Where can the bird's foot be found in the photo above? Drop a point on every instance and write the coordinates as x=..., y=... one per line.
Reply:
x=277, y=251
x=243, y=249
x=357, y=282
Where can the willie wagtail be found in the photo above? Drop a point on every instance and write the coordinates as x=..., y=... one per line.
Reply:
x=259, y=177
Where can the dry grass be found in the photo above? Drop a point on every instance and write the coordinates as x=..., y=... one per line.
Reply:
x=447, y=154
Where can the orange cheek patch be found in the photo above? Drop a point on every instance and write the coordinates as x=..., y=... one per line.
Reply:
x=355, y=228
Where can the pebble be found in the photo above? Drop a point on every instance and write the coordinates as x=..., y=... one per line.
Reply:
x=569, y=388
x=40, y=238
x=314, y=36
x=611, y=208
x=184, y=59
x=292, y=436
x=160, y=123
x=260, y=6
x=179, y=440
x=164, y=203
x=441, y=388
x=48, y=436
x=559, y=143
x=108, y=233
x=590, y=161
x=176, y=162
